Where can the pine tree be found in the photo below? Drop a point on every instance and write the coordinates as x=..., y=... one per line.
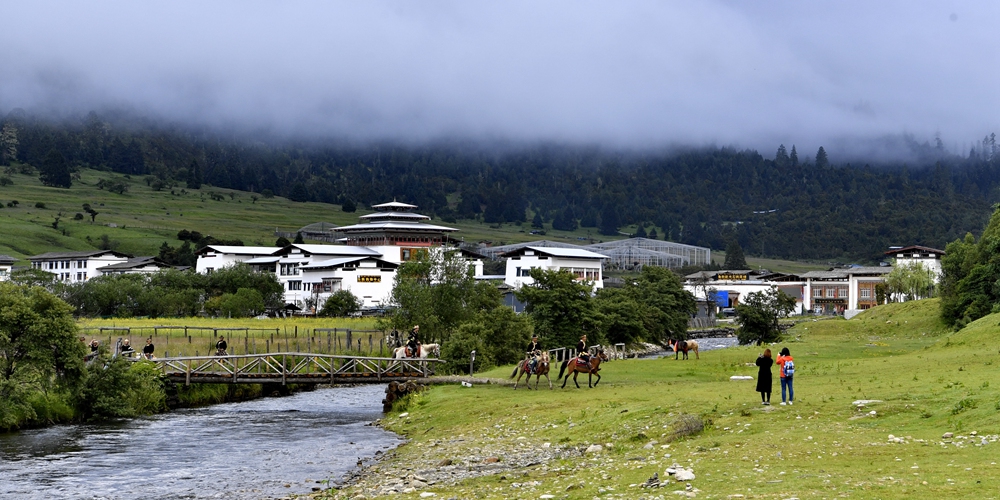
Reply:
x=794, y=157
x=821, y=160
x=735, y=259
x=537, y=222
x=194, y=175
x=781, y=157
x=609, y=220
x=298, y=239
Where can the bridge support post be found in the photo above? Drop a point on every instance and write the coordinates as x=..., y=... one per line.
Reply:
x=284, y=369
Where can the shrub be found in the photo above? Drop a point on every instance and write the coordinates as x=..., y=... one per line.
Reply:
x=40, y=205
x=341, y=303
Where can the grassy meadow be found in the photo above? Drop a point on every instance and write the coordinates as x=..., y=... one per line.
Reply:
x=141, y=219
x=244, y=335
x=928, y=381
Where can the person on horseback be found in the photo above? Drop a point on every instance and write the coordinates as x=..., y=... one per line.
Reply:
x=581, y=349
x=412, y=344
x=534, y=352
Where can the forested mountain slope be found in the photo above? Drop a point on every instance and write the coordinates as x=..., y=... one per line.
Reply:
x=792, y=206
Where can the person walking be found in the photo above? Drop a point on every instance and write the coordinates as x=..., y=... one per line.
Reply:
x=764, y=384
x=787, y=372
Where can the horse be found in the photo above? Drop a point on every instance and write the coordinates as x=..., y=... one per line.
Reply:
x=683, y=346
x=576, y=368
x=425, y=351
x=542, y=368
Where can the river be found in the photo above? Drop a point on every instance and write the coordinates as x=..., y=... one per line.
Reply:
x=242, y=450
x=705, y=344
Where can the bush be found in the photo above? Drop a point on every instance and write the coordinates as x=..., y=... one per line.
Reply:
x=118, y=388
x=456, y=351
x=6, y=181
x=40, y=205
x=341, y=303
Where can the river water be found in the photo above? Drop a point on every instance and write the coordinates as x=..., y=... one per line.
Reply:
x=236, y=450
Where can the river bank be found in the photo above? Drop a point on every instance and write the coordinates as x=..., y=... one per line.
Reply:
x=881, y=411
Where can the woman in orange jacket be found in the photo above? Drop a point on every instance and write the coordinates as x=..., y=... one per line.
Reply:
x=785, y=358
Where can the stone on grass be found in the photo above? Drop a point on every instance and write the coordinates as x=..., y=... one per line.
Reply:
x=684, y=475
x=491, y=460
x=595, y=448
x=444, y=462
x=948, y=435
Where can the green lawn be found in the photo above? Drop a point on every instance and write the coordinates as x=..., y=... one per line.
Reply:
x=929, y=381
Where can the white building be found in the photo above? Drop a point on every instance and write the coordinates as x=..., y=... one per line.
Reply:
x=6, y=264
x=287, y=263
x=930, y=258
x=76, y=267
x=584, y=264
x=368, y=278
x=214, y=257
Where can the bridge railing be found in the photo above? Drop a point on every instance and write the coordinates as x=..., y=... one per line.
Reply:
x=292, y=367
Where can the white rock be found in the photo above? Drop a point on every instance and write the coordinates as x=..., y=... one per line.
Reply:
x=427, y=494
x=401, y=415
x=948, y=435
x=684, y=475
x=547, y=496
x=595, y=448
x=741, y=377
x=649, y=446
x=546, y=445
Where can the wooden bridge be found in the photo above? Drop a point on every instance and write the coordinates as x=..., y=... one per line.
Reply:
x=292, y=368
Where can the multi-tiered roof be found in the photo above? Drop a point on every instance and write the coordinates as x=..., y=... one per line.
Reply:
x=395, y=223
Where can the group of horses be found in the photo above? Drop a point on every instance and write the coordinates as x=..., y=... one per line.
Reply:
x=577, y=366
x=574, y=366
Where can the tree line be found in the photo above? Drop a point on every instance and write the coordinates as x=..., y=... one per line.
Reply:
x=793, y=205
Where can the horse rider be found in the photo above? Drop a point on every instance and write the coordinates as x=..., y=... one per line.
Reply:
x=221, y=346
x=534, y=352
x=581, y=349
x=412, y=344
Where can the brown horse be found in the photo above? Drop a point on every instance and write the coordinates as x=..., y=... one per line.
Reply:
x=542, y=368
x=684, y=346
x=589, y=368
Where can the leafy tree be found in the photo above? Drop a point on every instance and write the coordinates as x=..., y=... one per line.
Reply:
x=341, y=303
x=640, y=232
x=910, y=281
x=621, y=316
x=8, y=143
x=39, y=350
x=31, y=277
x=118, y=388
x=758, y=314
x=229, y=280
x=561, y=308
x=244, y=303
x=55, y=171
x=734, y=256
x=349, y=206
x=439, y=293
x=282, y=242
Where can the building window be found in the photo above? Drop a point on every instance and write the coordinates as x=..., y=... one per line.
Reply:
x=817, y=292
x=842, y=293
x=290, y=269
x=866, y=293
x=830, y=292
x=295, y=285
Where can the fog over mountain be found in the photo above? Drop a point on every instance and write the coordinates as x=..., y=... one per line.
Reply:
x=619, y=74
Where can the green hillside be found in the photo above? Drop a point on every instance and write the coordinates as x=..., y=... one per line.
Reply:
x=141, y=219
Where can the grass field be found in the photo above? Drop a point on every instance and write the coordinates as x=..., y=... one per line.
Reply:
x=928, y=381
x=244, y=335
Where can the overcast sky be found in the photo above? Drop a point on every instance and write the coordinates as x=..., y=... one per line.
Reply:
x=618, y=73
